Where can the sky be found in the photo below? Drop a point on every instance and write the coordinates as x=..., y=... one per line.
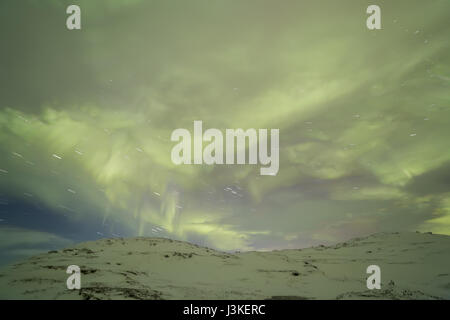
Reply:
x=86, y=118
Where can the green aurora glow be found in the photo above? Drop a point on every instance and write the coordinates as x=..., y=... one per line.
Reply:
x=363, y=116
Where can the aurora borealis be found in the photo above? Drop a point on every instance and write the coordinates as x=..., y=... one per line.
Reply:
x=86, y=117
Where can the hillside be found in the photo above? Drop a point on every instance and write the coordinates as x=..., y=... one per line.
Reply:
x=413, y=266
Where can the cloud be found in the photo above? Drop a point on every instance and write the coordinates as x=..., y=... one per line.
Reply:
x=440, y=221
x=362, y=116
x=13, y=237
x=18, y=243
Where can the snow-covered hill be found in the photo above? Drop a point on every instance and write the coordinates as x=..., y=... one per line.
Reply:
x=413, y=266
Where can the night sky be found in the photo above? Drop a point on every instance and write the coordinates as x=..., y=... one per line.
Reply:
x=86, y=118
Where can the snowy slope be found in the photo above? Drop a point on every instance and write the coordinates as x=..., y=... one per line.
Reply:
x=413, y=266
